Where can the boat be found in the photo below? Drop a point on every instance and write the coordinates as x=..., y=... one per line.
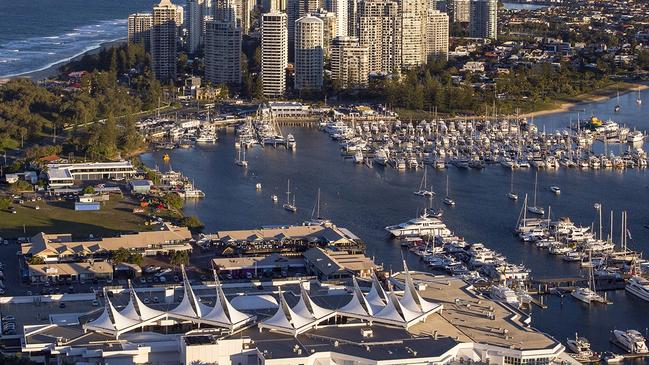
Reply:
x=258, y=186
x=635, y=137
x=424, y=225
x=555, y=189
x=638, y=286
x=612, y=358
x=358, y=157
x=638, y=99
x=534, y=209
x=423, y=191
x=631, y=340
x=504, y=294
x=316, y=218
x=274, y=198
x=290, y=142
x=617, y=106
x=580, y=347
x=193, y=193
x=288, y=205
x=207, y=135
x=588, y=294
x=380, y=157
x=166, y=157
x=241, y=161
x=447, y=200
x=511, y=195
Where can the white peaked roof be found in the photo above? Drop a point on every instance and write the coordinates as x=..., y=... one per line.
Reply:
x=184, y=309
x=201, y=309
x=223, y=312
x=103, y=322
x=377, y=295
x=354, y=306
x=411, y=298
x=146, y=313
x=307, y=308
x=129, y=311
x=286, y=319
x=389, y=312
x=120, y=321
x=406, y=313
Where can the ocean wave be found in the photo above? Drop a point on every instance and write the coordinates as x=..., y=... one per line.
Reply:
x=39, y=53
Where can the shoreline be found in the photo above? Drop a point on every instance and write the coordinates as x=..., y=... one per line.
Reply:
x=599, y=95
x=54, y=70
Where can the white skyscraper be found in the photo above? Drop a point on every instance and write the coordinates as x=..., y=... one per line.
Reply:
x=194, y=23
x=309, y=53
x=223, y=48
x=274, y=53
x=436, y=33
x=340, y=8
x=139, y=28
x=163, y=40
x=413, y=15
x=329, y=28
x=484, y=19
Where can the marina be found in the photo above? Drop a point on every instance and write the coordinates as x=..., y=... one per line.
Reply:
x=349, y=194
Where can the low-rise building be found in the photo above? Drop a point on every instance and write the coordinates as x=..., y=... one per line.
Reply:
x=329, y=264
x=61, y=175
x=74, y=271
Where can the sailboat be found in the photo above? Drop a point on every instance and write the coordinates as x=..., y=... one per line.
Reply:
x=588, y=295
x=423, y=186
x=241, y=161
x=288, y=206
x=316, y=218
x=511, y=195
x=638, y=99
x=617, y=106
x=534, y=208
x=448, y=201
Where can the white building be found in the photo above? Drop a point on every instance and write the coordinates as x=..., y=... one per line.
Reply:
x=60, y=175
x=461, y=11
x=164, y=54
x=309, y=53
x=139, y=28
x=349, y=63
x=274, y=53
x=484, y=19
x=329, y=29
x=437, y=26
x=340, y=9
x=194, y=24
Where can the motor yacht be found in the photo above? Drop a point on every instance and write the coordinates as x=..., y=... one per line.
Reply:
x=631, y=340
x=504, y=294
x=555, y=189
x=639, y=287
x=587, y=295
x=423, y=225
x=580, y=347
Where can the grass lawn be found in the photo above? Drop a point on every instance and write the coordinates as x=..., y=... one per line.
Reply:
x=114, y=217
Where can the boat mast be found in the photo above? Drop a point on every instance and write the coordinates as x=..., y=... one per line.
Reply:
x=536, y=185
x=288, y=191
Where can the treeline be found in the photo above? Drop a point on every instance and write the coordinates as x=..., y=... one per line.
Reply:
x=95, y=115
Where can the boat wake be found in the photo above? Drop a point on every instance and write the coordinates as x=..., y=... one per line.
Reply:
x=39, y=53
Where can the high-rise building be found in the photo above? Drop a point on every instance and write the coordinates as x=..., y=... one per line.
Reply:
x=484, y=19
x=243, y=10
x=223, y=48
x=163, y=40
x=329, y=29
x=340, y=9
x=380, y=31
x=413, y=15
x=180, y=16
x=350, y=64
x=436, y=34
x=296, y=9
x=352, y=18
x=459, y=11
x=309, y=53
x=139, y=28
x=194, y=24
x=274, y=53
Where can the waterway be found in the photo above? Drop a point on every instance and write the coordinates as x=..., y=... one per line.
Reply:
x=367, y=199
x=523, y=6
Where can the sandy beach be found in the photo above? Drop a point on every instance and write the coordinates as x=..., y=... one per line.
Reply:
x=53, y=70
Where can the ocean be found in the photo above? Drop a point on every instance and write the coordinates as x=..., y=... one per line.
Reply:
x=37, y=34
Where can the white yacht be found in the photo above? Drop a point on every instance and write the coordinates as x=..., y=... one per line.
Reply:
x=358, y=157
x=580, y=346
x=380, y=157
x=639, y=287
x=587, y=295
x=504, y=294
x=555, y=189
x=635, y=137
x=423, y=186
x=424, y=225
x=632, y=341
x=290, y=142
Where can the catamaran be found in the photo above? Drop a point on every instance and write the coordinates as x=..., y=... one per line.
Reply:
x=423, y=187
x=288, y=205
x=534, y=208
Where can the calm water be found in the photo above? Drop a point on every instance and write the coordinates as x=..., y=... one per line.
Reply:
x=366, y=200
x=519, y=6
x=37, y=34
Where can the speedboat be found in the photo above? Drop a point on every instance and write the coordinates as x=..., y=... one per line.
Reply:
x=612, y=358
x=512, y=196
x=504, y=294
x=580, y=346
x=448, y=201
x=639, y=287
x=555, y=189
x=290, y=142
x=631, y=340
x=424, y=225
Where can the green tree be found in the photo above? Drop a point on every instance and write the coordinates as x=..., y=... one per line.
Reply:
x=179, y=258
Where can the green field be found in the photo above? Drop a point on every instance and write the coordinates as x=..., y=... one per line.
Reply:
x=114, y=217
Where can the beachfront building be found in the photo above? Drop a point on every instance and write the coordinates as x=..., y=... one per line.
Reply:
x=484, y=19
x=437, y=34
x=164, y=54
x=309, y=53
x=274, y=53
x=223, y=47
x=194, y=24
x=139, y=29
x=61, y=247
x=350, y=66
x=409, y=318
x=66, y=174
